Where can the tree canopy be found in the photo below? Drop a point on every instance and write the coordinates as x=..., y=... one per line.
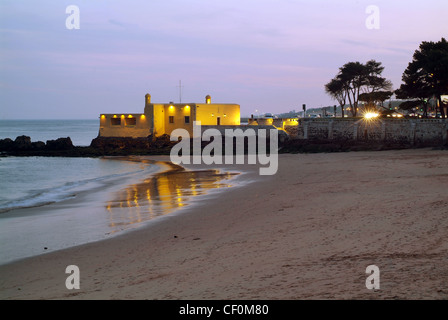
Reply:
x=355, y=78
x=376, y=98
x=426, y=75
x=335, y=88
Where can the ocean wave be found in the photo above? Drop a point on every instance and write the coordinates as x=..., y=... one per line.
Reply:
x=68, y=190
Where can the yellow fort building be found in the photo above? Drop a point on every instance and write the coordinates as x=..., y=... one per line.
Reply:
x=163, y=118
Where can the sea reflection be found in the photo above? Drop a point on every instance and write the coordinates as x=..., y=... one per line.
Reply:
x=162, y=194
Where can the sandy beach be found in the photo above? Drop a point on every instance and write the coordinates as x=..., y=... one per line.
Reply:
x=308, y=232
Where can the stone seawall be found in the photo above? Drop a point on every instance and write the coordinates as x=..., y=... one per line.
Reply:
x=406, y=131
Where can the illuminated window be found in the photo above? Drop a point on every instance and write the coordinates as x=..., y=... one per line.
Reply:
x=171, y=119
x=187, y=119
x=115, y=121
x=130, y=121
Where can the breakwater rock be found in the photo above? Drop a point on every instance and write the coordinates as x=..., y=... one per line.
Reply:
x=100, y=146
x=23, y=143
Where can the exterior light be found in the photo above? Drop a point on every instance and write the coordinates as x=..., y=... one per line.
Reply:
x=103, y=116
x=142, y=117
x=130, y=116
x=115, y=115
x=371, y=115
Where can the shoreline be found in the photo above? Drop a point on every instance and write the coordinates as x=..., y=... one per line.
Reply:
x=308, y=232
x=63, y=218
x=72, y=213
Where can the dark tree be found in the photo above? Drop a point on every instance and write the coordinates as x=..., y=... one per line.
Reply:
x=376, y=98
x=353, y=76
x=356, y=78
x=335, y=88
x=427, y=75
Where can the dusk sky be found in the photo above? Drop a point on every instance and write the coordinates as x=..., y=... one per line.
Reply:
x=271, y=56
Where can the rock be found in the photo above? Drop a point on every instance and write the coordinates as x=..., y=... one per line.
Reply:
x=60, y=144
x=131, y=144
x=162, y=141
x=111, y=143
x=22, y=143
x=38, y=145
x=6, y=144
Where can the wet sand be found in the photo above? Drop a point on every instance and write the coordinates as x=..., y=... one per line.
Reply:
x=107, y=208
x=308, y=232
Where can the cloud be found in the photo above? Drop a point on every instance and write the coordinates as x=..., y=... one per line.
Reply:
x=122, y=24
x=240, y=49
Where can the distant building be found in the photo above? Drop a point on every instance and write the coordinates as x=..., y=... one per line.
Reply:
x=163, y=118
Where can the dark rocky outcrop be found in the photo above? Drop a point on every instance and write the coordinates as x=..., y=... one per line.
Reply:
x=126, y=145
x=39, y=145
x=6, y=144
x=22, y=143
x=60, y=144
x=100, y=146
x=110, y=146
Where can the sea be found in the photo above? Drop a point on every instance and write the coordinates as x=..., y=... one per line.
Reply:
x=34, y=181
x=80, y=131
x=53, y=203
x=39, y=182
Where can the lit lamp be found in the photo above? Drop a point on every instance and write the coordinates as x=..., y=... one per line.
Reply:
x=371, y=115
